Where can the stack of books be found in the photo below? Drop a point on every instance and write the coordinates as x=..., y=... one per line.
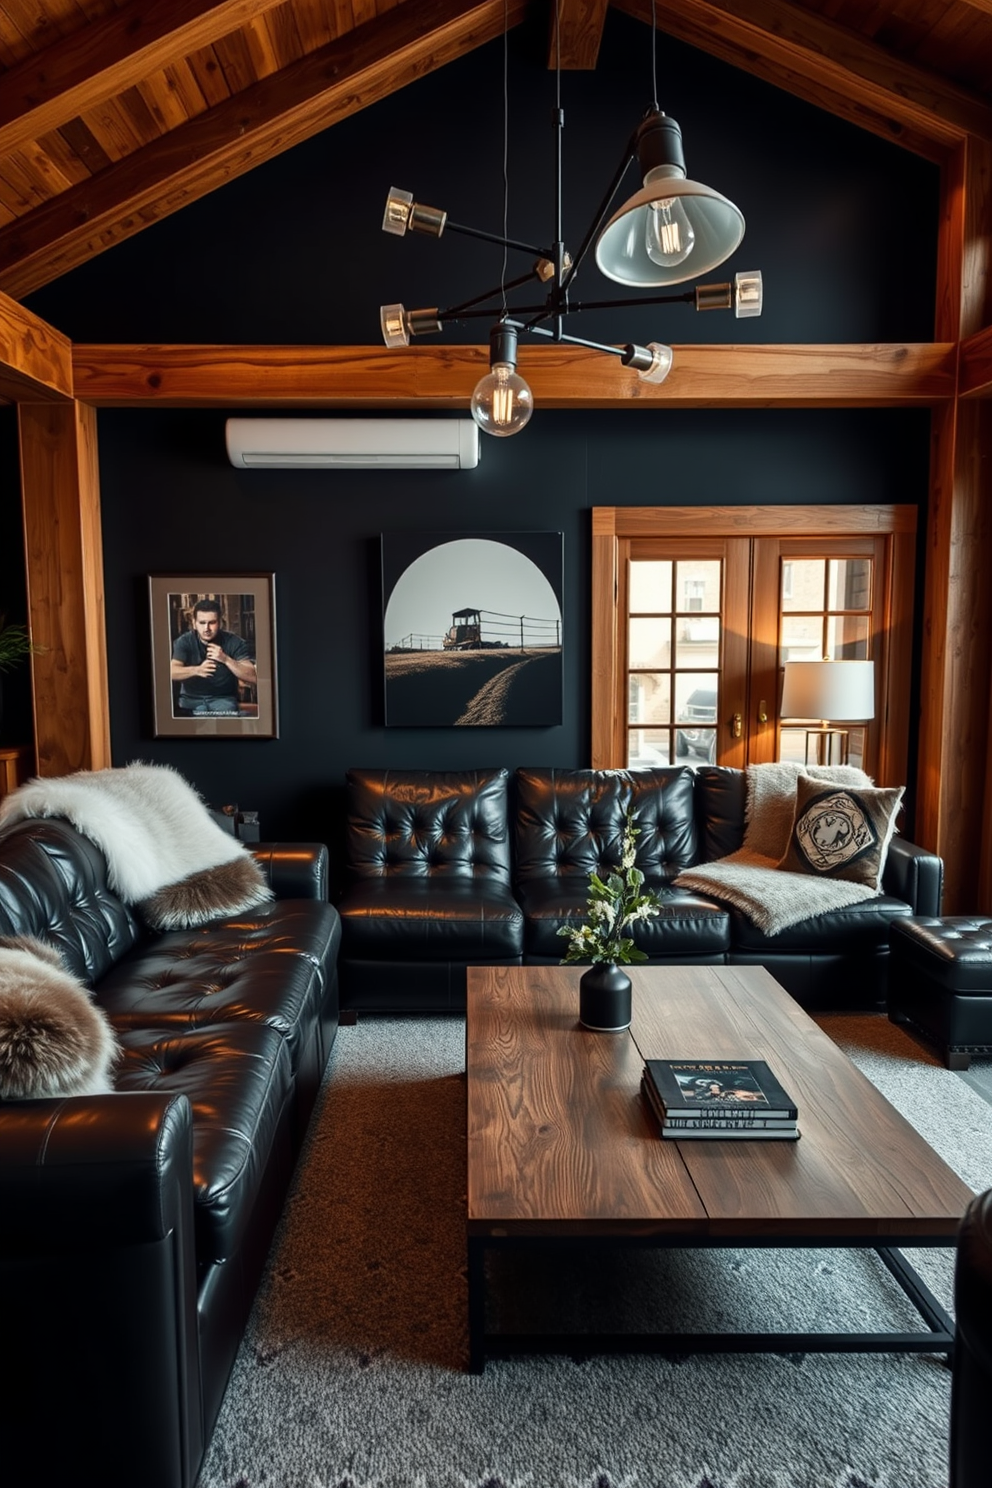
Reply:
x=724, y=1099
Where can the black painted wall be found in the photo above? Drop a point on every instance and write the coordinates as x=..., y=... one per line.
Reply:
x=292, y=253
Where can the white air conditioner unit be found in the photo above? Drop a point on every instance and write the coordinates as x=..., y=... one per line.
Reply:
x=353, y=443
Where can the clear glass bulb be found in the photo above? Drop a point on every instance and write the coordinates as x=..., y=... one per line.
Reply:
x=668, y=234
x=502, y=403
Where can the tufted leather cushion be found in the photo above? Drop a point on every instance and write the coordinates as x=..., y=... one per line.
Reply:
x=956, y=951
x=431, y=919
x=53, y=884
x=266, y=967
x=569, y=823
x=428, y=824
x=721, y=800
x=237, y=1078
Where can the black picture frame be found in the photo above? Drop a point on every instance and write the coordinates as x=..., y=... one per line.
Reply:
x=247, y=613
x=472, y=629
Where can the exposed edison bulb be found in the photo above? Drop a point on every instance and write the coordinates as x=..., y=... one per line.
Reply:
x=502, y=402
x=668, y=234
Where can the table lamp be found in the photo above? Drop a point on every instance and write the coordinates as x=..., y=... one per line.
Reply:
x=832, y=691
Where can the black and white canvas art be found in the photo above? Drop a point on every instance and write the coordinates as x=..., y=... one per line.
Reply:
x=472, y=629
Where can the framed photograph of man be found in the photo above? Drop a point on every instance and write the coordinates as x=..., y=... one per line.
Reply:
x=213, y=655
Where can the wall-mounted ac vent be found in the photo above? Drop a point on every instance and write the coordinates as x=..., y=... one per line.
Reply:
x=353, y=443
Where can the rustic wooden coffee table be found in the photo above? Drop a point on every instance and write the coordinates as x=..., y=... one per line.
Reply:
x=561, y=1148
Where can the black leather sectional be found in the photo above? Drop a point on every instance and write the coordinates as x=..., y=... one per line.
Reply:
x=485, y=866
x=134, y=1226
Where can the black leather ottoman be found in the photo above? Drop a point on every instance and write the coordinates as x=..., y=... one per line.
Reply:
x=940, y=982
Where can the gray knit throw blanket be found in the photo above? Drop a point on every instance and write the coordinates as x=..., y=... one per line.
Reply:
x=750, y=879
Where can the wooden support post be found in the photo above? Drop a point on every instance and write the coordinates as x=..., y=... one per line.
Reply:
x=64, y=556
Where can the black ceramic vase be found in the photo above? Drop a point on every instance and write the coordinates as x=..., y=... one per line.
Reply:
x=604, y=998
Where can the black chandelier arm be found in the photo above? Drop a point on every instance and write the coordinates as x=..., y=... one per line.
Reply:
x=475, y=232
x=601, y=214
x=673, y=299
x=490, y=294
x=575, y=340
x=460, y=313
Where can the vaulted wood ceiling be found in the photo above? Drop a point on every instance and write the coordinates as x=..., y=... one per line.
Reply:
x=113, y=115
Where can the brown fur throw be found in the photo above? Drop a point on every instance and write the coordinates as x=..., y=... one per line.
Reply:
x=54, y=1041
x=229, y=889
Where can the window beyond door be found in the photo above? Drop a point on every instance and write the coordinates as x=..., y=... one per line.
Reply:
x=709, y=605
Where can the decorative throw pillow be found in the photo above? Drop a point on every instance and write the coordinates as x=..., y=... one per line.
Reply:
x=54, y=1040
x=841, y=831
x=771, y=801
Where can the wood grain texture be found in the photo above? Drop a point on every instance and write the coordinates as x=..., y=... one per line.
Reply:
x=65, y=587
x=829, y=65
x=559, y=1141
x=859, y=1166
x=975, y=372
x=35, y=359
x=272, y=115
x=731, y=521
x=579, y=33
x=849, y=376
x=558, y=1138
x=116, y=52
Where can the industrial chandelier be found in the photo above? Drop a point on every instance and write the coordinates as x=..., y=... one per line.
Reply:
x=670, y=231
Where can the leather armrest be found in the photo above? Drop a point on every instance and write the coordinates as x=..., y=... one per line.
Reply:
x=295, y=870
x=86, y=1171
x=915, y=876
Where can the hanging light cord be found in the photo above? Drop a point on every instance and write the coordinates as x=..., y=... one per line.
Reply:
x=506, y=131
x=654, y=55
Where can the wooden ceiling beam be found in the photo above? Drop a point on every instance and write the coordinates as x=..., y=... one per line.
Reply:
x=580, y=32
x=35, y=359
x=975, y=370
x=82, y=70
x=375, y=377
x=273, y=115
x=828, y=66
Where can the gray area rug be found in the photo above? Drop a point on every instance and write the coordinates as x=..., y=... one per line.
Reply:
x=352, y=1371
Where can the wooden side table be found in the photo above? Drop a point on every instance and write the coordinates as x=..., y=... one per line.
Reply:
x=16, y=764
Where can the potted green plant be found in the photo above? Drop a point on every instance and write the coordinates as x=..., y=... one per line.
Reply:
x=614, y=907
x=15, y=646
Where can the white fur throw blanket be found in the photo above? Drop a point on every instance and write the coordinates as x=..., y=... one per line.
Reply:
x=54, y=1040
x=750, y=879
x=165, y=853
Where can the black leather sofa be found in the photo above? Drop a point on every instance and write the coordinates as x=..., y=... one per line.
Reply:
x=446, y=869
x=134, y=1226
x=971, y=1386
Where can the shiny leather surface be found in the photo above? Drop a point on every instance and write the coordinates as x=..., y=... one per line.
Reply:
x=238, y=1079
x=431, y=919
x=428, y=824
x=956, y=952
x=852, y=927
x=971, y=1385
x=688, y=925
x=142, y=1196
x=569, y=823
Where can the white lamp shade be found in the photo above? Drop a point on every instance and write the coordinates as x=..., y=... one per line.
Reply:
x=836, y=691
x=621, y=251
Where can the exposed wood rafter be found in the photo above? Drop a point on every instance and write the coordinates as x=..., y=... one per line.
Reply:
x=35, y=359
x=293, y=105
x=580, y=31
x=83, y=69
x=829, y=66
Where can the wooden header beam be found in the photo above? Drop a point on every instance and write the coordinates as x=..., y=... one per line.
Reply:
x=867, y=376
x=35, y=359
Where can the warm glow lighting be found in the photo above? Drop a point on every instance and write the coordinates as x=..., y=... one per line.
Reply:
x=668, y=234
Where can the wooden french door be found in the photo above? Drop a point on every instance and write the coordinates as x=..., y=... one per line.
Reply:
x=696, y=610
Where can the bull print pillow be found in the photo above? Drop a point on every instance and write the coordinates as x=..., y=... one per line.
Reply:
x=841, y=831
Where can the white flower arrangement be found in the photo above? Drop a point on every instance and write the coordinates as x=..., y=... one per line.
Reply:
x=613, y=907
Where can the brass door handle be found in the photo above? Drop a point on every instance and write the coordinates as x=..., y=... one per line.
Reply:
x=737, y=725
x=762, y=712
